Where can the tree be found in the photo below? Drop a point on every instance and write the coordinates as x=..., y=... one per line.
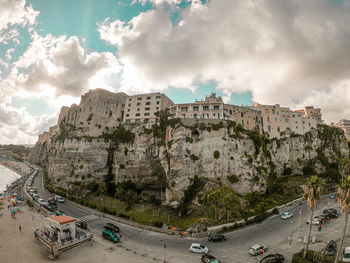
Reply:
x=312, y=193
x=344, y=201
x=344, y=166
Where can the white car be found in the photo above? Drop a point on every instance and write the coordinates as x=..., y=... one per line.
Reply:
x=198, y=248
x=257, y=249
x=315, y=221
x=287, y=215
x=41, y=201
x=59, y=199
x=346, y=254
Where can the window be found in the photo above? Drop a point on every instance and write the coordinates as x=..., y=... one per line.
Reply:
x=231, y=112
x=138, y=104
x=183, y=115
x=293, y=115
x=268, y=119
x=286, y=120
x=242, y=114
x=267, y=111
x=158, y=97
x=216, y=115
x=148, y=103
x=146, y=114
x=205, y=116
x=157, y=102
x=127, y=121
x=137, y=114
x=216, y=107
x=128, y=110
x=147, y=108
x=157, y=108
x=148, y=98
x=129, y=105
x=299, y=115
x=127, y=115
x=243, y=123
x=137, y=121
x=273, y=111
x=195, y=116
x=275, y=119
x=195, y=108
x=184, y=108
x=205, y=107
x=138, y=109
x=282, y=113
x=269, y=128
x=129, y=100
x=278, y=128
x=139, y=98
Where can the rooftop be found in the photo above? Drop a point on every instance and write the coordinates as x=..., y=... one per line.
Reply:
x=62, y=219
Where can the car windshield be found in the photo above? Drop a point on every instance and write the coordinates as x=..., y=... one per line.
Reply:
x=202, y=247
x=347, y=255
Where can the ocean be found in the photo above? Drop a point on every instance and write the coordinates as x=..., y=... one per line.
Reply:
x=7, y=176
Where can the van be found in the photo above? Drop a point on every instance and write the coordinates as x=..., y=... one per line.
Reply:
x=109, y=235
x=346, y=254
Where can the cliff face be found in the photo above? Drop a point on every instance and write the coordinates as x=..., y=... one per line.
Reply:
x=220, y=152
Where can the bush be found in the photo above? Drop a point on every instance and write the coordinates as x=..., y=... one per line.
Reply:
x=122, y=166
x=158, y=224
x=233, y=178
x=189, y=139
x=216, y=154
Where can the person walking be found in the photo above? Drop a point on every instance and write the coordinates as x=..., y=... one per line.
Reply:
x=20, y=228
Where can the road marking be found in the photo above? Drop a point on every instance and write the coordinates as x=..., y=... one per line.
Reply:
x=87, y=218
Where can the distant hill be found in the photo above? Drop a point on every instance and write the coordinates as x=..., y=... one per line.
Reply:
x=17, y=152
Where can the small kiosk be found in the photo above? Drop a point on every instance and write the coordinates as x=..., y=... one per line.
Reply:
x=61, y=234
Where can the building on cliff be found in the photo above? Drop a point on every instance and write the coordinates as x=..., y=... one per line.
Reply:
x=100, y=111
x=345, y=126
x=277, y=119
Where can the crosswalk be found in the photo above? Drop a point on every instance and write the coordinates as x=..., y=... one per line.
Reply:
x=88, y=218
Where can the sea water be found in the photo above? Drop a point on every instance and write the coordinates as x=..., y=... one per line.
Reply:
x=7, y=176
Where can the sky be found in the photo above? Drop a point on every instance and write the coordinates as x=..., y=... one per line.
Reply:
x=293, y=52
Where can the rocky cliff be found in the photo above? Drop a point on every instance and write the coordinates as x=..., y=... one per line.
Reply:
x=164, y=160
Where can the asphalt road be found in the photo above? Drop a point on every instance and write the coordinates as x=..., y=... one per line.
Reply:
x=272, y=232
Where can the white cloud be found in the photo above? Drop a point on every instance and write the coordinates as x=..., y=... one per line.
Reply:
x=288, y=52
x=15, y=13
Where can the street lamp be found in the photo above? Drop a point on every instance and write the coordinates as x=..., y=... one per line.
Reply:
x=299, y=223
x=164, y=240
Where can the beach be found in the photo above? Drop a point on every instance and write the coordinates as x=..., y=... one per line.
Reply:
x=7, y=176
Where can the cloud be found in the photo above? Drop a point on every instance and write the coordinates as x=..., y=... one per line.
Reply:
x=288, y=52
x=15, y=13
x=59, y=62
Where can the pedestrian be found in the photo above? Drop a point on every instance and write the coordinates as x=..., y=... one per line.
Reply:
x=20, y=228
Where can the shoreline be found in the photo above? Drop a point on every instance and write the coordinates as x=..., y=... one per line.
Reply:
x=16, y=166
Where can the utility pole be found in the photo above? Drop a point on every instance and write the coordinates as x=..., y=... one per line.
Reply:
x=299, y=222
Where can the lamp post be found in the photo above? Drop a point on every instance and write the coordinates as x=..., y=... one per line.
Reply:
x=164, y=240
x=299, y=222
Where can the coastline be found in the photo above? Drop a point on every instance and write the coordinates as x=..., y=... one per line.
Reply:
x=16, y=166
x=11, y=171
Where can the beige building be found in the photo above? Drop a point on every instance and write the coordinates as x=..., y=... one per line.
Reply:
x=311, y=112
x=248, y=117
x=277, y=119
x=210, y=108
x=142, y=108
x=345, y=126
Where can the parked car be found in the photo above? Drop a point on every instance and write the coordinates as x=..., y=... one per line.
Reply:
x=209, y=259
x=287, y=215
x=257, y=249
x=31, y=192
x=35, y=197
x=216, y=237
x=59, y=198
x=29, y=188
x=315, y=221
x=346, y=254
x=40, y=201
x=331, y=210
x=112, y=227
x=48, y=207
x=198, y=248
x=59, y=212
x=52, y=202
x=333, y=195
x=81, y=224
x=110, y=235
x=20, y=198
x=331, y=215
x=330, y=249
x=273, y=258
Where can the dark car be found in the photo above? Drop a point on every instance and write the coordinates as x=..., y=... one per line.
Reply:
x=112, y=227
x=216, y=237
x=273, y=258
x=48, y=207
x=209, y=259
x=52, y=202
x=331, y=215
x=331, y=249
x=81, y=224
x=331, y=210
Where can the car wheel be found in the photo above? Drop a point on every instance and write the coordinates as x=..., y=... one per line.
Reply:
x=190, y=251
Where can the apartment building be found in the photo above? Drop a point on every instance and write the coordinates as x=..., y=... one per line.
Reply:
x=311, y=112
x=142, y=108
x=345, y=126
x=277, y=119
x=210, y=108
x=248, y=117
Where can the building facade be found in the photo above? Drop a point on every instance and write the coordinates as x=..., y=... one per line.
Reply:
x=345, y=126
x=142, y=108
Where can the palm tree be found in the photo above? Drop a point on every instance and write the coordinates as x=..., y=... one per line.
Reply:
x=344, y=201
x=312, y=193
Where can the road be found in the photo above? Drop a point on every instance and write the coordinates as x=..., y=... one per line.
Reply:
x=273, y=232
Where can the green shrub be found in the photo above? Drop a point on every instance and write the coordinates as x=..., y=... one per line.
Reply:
x=122, y=166
x=233, y=178
x=81, y=166
x=189, y=139
x=126, y=151
x=216, y=154
x=158, y=224
x=194, y=158
x=147, y=131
